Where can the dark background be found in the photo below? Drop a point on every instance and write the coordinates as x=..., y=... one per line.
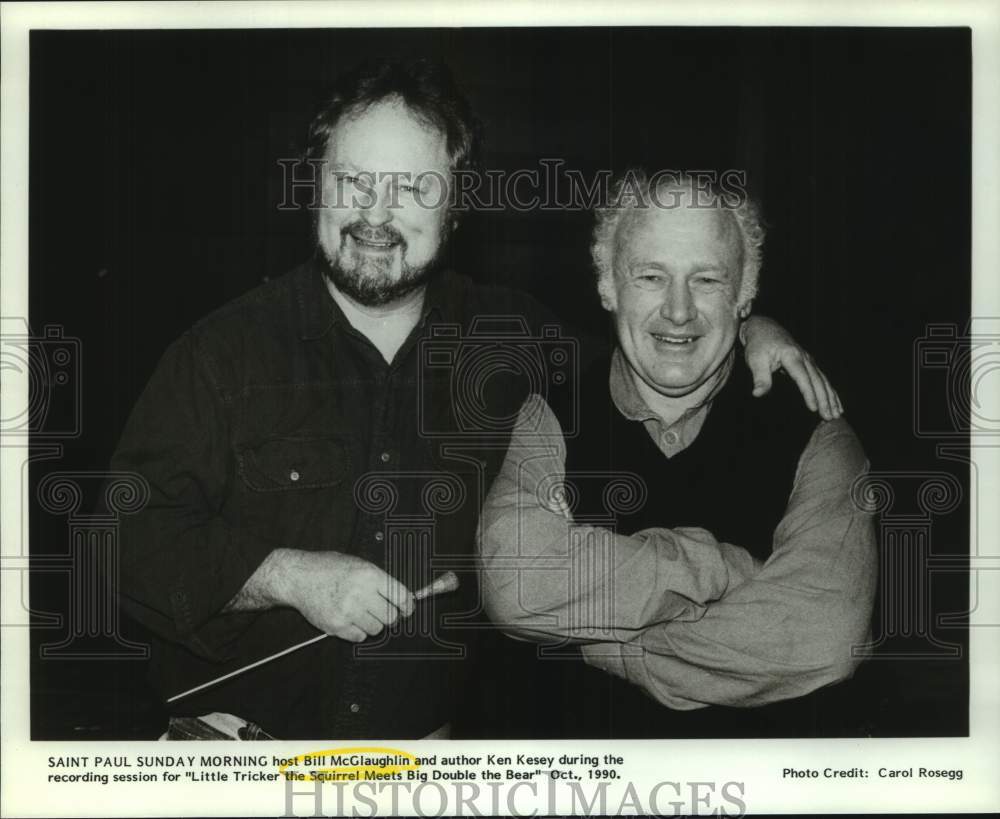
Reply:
x=154, y=193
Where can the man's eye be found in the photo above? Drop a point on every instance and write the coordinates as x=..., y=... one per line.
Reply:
x=407, y=188
x=708, y=280
x=648, y=281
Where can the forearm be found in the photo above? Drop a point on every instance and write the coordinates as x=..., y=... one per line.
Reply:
x=586, y=583
x=790, y=629
x=769, y=640
x=270, y=585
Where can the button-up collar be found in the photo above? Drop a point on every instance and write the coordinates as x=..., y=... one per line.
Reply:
x=669, y=438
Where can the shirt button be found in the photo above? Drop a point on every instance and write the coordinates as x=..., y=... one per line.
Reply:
x=355, y=708
x=670, y=438
x=385, y=456
x=379, y=537
x=294, y=475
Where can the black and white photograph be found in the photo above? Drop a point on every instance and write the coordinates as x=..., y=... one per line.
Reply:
x=485, y=398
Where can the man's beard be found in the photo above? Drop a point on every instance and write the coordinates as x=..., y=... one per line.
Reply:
x=369, y=279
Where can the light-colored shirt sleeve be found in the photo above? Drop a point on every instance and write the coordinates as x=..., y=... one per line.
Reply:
x=690, y=619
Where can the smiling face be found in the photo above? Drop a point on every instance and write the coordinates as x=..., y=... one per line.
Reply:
x=676, y=279
x=385, y=224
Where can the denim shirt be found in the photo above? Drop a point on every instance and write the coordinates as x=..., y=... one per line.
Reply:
x=273, y=423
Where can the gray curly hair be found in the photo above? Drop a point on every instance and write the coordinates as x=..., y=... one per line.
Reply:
x=632, y=190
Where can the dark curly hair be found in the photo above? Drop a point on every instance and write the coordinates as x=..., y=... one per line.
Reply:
x=427, y=88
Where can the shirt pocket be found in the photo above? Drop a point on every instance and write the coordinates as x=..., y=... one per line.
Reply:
x=283, y=464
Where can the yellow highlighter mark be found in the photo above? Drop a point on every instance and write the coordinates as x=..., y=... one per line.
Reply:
x=349, y=764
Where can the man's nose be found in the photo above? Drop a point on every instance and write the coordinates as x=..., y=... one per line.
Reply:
x=377, y=212
x=678, y=304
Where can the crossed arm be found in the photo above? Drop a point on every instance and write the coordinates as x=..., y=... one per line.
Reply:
x=691, y=620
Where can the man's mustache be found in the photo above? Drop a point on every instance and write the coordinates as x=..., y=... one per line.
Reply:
x=384, y=234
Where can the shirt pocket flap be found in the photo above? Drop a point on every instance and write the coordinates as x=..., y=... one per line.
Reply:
x=294, y=463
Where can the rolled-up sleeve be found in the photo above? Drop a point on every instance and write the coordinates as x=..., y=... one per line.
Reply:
x=181, y=561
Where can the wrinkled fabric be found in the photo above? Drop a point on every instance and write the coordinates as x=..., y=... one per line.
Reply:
x=691, y=620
